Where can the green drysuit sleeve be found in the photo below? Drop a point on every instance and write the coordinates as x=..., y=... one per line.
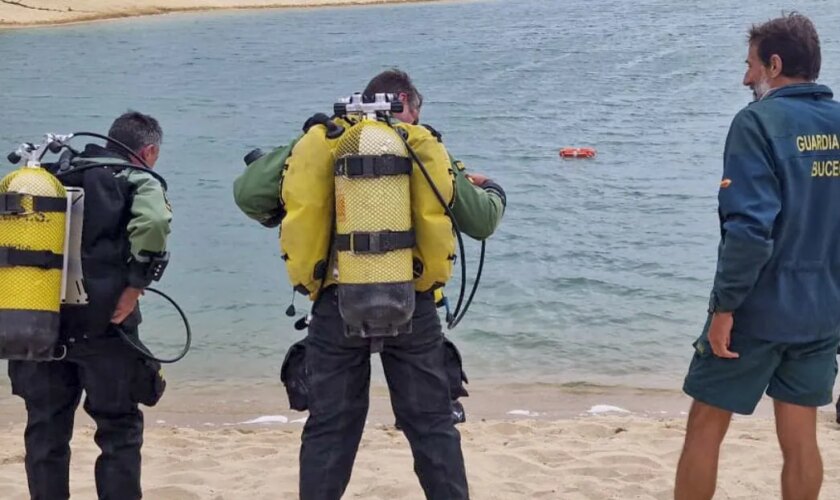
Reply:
x=151, y=214
x=478, y=211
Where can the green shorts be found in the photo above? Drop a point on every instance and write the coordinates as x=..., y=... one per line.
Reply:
x=802, y=374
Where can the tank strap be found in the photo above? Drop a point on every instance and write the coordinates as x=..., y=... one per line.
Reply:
x=373, y=166
x=15, y=257
x=12, y=203
x=379, y=242
x=49, y=204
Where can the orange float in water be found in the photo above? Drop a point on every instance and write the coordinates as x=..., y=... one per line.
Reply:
x=577, y=153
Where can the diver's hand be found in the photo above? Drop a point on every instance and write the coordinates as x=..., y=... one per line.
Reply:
x=477, y=179
x=126, y=304
x=720, y=335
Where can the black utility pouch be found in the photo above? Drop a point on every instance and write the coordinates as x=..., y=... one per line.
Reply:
x=293, y=376
x=148, y=384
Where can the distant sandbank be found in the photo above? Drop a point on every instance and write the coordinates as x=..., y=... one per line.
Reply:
x=24, y=13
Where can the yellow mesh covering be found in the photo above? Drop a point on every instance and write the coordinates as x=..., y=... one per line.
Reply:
x=373, y=205
x=30, y=288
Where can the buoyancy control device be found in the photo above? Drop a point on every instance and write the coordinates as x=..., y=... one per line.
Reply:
x=372, y=169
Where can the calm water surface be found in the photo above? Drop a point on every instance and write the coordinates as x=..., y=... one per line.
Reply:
x=601, y=269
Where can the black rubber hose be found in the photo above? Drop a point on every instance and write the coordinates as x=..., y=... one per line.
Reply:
x=452, y=324
x=145, y=352
x=115, y=165
x=458, y=315
x=118, y=143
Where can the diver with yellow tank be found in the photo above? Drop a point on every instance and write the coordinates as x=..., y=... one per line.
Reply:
x=371, y=207
x=80, y=240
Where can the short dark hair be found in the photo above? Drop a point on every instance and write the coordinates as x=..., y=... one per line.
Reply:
x=794, y=39
x=394, y=81
x=135, y=130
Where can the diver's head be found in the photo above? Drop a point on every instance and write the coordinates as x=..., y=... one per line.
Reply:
x=141, y=133
x=782, y=51
x=394, y=81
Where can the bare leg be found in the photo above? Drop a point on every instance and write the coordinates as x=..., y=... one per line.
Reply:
x=802, y=473
x=698, y=466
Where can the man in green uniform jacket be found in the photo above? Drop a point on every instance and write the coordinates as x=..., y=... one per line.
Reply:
x=127, y=220
x=774, y=321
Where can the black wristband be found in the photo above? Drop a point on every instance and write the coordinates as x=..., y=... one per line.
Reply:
x=495, y=188
x=146, y=267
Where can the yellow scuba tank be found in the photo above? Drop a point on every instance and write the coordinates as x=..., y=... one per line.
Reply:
x=33, y=205
x=374, y=235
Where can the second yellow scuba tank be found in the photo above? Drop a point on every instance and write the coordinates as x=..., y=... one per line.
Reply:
x=373, y=222
x=33, y=206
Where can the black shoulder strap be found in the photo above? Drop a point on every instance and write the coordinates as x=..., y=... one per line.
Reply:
x=434, y=132
x=316, y=119
x=333, y=130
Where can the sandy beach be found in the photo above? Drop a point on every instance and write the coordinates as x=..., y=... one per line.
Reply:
x=21, y=13
x=608, y=457
x=538, y=441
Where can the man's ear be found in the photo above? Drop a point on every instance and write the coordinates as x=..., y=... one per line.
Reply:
x=775, y=66
x=150, y=153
